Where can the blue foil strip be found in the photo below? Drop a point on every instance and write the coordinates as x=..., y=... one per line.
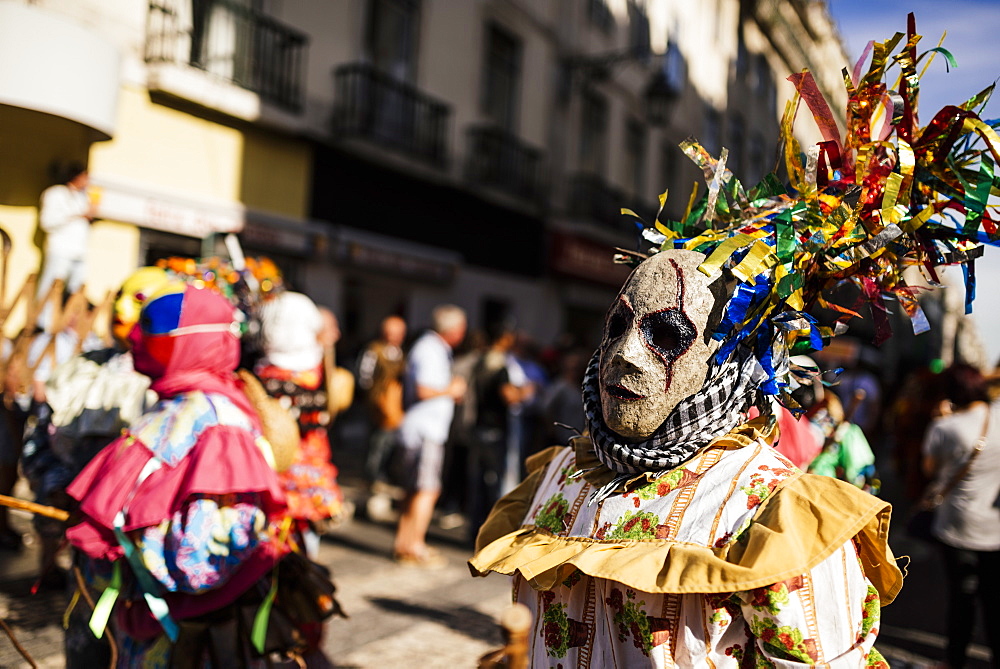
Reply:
x=736, y=312
x=969, y=270
x=765, y=354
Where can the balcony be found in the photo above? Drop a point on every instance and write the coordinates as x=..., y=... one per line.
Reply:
x=39, y=77
x=232, y=42
x=390, y=113
x=591, y=198
x=499, y=160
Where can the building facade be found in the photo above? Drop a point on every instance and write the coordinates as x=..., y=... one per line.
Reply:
x=395, y=154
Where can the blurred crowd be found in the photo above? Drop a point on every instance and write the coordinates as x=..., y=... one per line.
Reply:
x=450, y=413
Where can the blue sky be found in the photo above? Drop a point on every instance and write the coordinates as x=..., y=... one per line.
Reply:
x=973, y=28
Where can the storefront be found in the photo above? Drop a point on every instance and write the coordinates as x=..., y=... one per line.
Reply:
x=588, y=281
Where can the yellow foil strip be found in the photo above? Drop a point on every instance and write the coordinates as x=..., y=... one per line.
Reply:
x=755, y=261
x=796, y=302
x=892, y=184
x=723, y=251
x=987, y=133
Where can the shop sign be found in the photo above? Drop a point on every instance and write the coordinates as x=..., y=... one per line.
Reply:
x=165, y=212
x=583, y=258
x=284, y=239
x=392, y=261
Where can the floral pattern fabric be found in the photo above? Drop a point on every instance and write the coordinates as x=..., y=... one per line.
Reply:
x=828, y=614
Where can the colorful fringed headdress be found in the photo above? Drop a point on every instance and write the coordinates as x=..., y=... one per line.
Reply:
x=858, y=209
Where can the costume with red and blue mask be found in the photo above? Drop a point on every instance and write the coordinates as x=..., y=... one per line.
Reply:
x=185, y=502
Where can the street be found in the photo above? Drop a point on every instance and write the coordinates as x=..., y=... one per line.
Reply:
x=402, y=616
x=397, y=614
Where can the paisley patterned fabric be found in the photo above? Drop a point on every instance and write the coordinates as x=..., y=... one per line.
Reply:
x=199, y=548
x=172, y=427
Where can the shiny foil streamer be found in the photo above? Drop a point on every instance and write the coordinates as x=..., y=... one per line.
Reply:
x=861, y=208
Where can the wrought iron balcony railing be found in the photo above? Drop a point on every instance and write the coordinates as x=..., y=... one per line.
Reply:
x=390, y=113
x=499, y=160
x=231, y=41
x=590, y=197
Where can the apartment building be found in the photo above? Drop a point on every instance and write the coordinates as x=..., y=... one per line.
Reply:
x=395, y=154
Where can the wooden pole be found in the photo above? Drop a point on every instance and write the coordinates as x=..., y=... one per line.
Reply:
x=38, y=509
x=516, y=625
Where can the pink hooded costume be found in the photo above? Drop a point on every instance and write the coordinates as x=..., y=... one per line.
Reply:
x=188, y=487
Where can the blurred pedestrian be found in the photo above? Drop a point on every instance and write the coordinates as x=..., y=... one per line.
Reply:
x=292, y=371
x=562, y=406
x=500, y=387
x=910, y=417
x=380, y=377
x=430, y=392
x=30, y=360
x=65, y=214
x=339, y=381
x=863, y=375
x=962, y=458
x=528, y=355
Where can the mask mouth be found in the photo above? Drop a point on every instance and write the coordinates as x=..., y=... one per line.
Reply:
x=620, y=392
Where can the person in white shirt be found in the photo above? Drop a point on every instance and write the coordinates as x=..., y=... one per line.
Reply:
x=65, y=214
x=430, y=391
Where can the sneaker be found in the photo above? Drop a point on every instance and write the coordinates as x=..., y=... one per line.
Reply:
x=379, y=508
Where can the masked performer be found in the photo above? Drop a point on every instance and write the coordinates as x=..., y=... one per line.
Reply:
x=179, y=511
x=93, y=397
x=674, y=534
x=292, y=371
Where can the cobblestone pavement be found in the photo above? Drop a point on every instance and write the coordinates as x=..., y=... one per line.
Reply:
x=405, y=616
x=398, y=614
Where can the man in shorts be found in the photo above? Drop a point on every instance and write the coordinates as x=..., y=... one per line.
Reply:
x=430, y=391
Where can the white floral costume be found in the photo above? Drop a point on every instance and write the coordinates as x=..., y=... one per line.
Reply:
x=735, y=558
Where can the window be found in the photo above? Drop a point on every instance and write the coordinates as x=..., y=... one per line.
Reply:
x=710, y=138
x=593, y=133
x=669, y=155
x=635, y=157
x=638, y=30
x=675, y=68
x=756, y=167
x=502, y=77
x=742, y=58
x=735, y=143
x=600, y=15
x=391, y=40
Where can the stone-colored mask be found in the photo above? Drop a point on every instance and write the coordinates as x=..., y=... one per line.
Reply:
x=654, y=352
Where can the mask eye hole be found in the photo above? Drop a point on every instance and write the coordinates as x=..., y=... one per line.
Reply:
x=619, y=322
x=665, y=336
x=671, y=332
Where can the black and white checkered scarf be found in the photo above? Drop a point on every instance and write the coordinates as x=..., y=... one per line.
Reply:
x=713, y=411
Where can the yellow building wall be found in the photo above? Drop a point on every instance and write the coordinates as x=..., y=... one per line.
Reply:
x=179, y=152
x=155, y=146
x=112, y=254
x=277, y=174
x=170, y=150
